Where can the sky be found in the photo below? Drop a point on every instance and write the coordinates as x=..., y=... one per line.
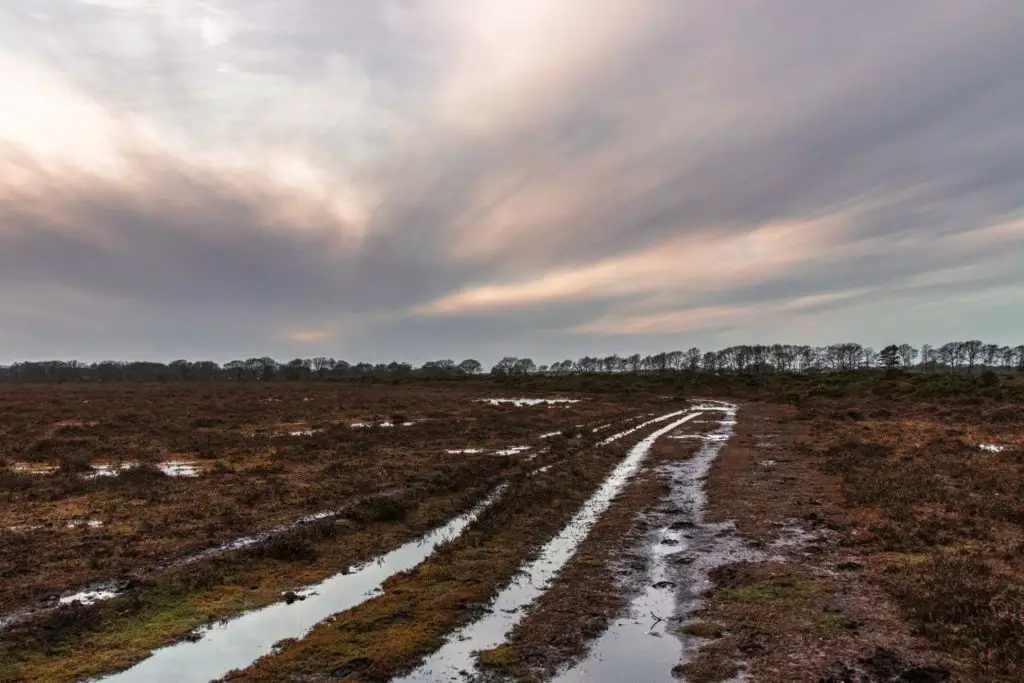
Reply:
x=410, y=180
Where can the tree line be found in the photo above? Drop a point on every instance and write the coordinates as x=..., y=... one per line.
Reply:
x=952, y=357
x=251, y=369
x=961, y=357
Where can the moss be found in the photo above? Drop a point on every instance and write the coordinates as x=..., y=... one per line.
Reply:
x=834, y=622
x=776, y=590
x=503, y=655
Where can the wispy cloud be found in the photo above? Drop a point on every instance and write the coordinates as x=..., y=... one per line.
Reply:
x=444, y=177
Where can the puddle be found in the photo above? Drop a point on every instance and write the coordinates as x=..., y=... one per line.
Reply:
x=549, y=435
x=702, y=437
x=88, y=597
x=367, y=425
x=109, y=470
x=171, y=468
x=991, y=448
x=602, y=427
x=616, y=437
x=519, y=402
x=456, y=656
x=90, y=523
x=303, y=432
x=32, y=468
x=457, y=451
x=512, y=450
x=641, y=646
x=178, y=468
x=237, y=643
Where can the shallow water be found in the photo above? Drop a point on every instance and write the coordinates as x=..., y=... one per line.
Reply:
x=32, y=468
x=88, y=597
x=176, y=468
x=109, y=470
x=616, y=437
x=506, y=610
x=512, y=450
x=638, y=647
x=91, y=523
x=240, y=642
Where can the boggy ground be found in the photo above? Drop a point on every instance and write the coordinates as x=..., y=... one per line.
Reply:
x=895, y=544
x=392, y=483
x=595, y=585
x=388, y=635
x=891, y=543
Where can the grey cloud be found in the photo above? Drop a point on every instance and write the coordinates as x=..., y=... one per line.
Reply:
x=899, y=118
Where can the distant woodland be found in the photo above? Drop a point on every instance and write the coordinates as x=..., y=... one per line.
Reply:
x=955, y=358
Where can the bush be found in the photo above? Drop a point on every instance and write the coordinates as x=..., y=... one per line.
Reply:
x=379, y=509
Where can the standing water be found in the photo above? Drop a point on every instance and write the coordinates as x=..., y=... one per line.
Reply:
x=457, y=653
x=240, y=642
x=640, y=646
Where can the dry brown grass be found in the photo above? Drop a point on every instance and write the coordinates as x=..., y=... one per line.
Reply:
x=257, y=476
x=931, y=522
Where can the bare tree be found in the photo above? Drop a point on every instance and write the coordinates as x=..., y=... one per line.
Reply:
x=633, y=363
x=709, y=362
x=524, y=366
x=322, y=365
x=611, y=363
x=989, y=354
x=908, y=354
x=971, y=352
x=1006, y=357
x=928, y=356
x=470, y=366
x=505, y=366
x=949, y=355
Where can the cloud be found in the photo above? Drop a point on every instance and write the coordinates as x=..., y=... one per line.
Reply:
x=311, y=336
x=691, y=263
x=421, y=179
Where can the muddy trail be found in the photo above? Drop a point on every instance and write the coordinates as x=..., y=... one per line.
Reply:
x=428, y=608
x=457, y=657
x=220, y=648
x=647, y=643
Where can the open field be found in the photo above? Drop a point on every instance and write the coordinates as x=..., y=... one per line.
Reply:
x=790, y=528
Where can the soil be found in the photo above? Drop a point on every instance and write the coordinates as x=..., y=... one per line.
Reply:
x=255, y=475
x=595, y=586
x=896, y=545
x=889, y=543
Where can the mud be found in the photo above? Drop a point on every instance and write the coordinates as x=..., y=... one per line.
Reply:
x=646, y=643
x=456, y=656
x=239, y=642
